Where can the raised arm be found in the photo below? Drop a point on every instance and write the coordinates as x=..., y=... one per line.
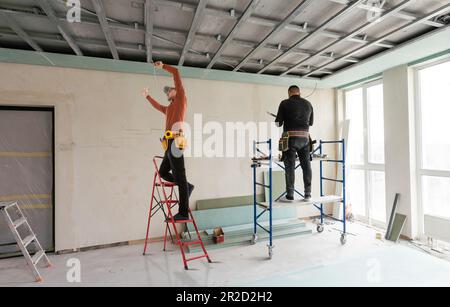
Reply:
x=176, y=78
x=153, y=102
x=157, y=105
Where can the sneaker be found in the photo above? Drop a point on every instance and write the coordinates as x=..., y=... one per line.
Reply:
x=287, y=199
x=307, y=198
x=178, y=218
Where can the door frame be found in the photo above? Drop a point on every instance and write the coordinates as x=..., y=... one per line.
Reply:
x=52, y=110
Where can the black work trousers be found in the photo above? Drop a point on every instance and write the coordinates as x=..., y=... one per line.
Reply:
x=298, y=146
x=172, y=169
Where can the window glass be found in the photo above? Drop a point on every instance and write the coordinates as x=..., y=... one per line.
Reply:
x=356, y=196
x=375, y=124
x=435, y=116
x=355, y=113
x=436, y=196
x=377, y=196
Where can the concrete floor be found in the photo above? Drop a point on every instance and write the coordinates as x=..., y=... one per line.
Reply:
x=312, y=260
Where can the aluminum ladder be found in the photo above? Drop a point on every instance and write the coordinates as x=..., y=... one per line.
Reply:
x=10, y=210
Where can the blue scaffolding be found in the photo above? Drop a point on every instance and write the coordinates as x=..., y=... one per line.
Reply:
x=261, y=159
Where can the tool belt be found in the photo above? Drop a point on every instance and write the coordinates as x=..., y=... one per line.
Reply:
x=177, y=136
x=283, y=145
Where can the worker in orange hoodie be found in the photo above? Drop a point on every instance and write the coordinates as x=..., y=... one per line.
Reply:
x=172, y=168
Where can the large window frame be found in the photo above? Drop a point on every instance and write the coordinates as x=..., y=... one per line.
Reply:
x=366, y=166
x=421, y=171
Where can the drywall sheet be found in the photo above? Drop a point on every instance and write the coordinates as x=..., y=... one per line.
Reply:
x=218, y=203
x=225, y=217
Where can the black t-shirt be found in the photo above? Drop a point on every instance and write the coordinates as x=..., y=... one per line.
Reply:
x=295, y=114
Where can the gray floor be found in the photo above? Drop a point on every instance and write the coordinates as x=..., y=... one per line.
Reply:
x=312, y=260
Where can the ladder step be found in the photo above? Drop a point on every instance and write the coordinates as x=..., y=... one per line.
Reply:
x=180, y=222
x=27, y=241
x=19, y=222
x=37, y=257
x=195, y=258
x=166, y=184
x=189, y=243
x=170, y=201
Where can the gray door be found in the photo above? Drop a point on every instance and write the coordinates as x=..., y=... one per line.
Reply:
x=26, y=171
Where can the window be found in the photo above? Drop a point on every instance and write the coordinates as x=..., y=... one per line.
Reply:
x=377, y=195
x=357, y=191
x=436, y=196
x=433, y=113
x=375, y=131
x=365, y=152
x=355, y=112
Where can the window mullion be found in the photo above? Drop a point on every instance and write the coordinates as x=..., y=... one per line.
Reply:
x=366, y=154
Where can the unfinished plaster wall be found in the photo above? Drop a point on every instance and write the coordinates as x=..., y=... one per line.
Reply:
x=107, y=134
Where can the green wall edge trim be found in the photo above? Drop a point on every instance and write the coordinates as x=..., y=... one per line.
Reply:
x=430, y=58
x=361, y=81
x=91, y=63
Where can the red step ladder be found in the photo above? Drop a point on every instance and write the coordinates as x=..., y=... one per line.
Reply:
x=164, y=198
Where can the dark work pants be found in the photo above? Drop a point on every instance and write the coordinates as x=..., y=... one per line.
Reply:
x=172, y=170
x=298, y=146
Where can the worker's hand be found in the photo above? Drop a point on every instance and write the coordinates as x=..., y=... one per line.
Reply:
x=159, y=64
x=145, y=92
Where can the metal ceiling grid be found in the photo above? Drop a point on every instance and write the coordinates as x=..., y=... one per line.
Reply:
x=305, y=38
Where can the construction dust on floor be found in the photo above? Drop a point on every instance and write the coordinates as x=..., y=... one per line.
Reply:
x=297, y=261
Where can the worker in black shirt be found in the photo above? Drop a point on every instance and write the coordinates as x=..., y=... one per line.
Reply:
x=296, y=115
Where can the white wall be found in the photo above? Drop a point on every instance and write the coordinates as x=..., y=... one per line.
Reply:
x=106, y=136
x=399, y=127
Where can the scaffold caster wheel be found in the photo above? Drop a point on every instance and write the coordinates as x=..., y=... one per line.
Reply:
x=270, y=252
x=254, y=239
x=343, y=239
x=320, y=228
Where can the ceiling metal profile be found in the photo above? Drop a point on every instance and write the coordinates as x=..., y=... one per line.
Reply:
x=249, y=10
x=275, y=31
x=298, y=43
x=45, y=5
x=194, y=26
x=403, y=28
x=149, y=28
x=311, y=35
x=358, y=31
x=20, y=32
x=100, y=10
